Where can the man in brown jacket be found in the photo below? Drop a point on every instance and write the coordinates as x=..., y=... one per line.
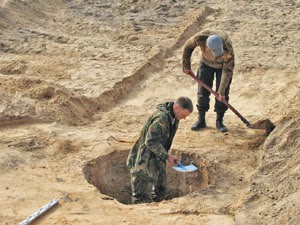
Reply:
x=217, y=58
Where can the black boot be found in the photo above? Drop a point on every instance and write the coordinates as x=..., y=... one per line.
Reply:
x=219, y=123
x=200, y=123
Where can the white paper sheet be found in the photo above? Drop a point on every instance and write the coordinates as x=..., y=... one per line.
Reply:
x=189, y=168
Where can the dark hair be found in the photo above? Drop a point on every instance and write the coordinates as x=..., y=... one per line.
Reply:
x=185, y=103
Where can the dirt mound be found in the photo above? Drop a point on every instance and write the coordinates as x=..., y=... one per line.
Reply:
x=38, y=100
x=275, y=186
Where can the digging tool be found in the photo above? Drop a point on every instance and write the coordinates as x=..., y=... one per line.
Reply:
x=117, y=140
x=266, y=125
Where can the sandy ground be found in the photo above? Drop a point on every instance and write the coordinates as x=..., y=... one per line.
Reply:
x=73, y=73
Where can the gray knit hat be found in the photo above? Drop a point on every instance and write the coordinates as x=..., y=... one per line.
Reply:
x=215, y=44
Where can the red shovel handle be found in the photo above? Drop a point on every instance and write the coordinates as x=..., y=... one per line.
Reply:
x=223, y=101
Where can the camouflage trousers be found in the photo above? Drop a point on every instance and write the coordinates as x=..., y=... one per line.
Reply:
x=148, y=182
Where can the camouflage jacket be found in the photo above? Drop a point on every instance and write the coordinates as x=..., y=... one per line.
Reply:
x=226, y=62
x=156, y=136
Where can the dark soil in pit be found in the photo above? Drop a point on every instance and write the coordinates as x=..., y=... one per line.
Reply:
x=111, y=176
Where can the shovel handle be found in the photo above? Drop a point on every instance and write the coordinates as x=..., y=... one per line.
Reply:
x=217, y=95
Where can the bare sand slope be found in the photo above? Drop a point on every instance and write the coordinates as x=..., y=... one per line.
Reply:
x=73, y=73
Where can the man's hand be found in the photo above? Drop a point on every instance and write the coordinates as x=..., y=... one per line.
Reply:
x=221, y=98
x=187, y=72
x=172, y=160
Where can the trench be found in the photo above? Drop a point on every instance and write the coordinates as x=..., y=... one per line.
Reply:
x=110, y=175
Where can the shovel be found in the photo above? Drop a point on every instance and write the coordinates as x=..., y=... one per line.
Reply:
x=266, y=125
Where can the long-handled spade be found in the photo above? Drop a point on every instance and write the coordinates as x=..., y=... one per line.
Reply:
x=266, y=124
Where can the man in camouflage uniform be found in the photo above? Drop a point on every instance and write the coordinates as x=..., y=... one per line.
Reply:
x=147, y=158
x=217, y=58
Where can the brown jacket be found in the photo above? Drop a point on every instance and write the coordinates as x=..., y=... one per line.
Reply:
x=225, y=62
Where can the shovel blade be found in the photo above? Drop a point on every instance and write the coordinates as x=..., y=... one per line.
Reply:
x=264, y=124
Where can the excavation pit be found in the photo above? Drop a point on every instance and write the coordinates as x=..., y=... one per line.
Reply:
x=110, y=175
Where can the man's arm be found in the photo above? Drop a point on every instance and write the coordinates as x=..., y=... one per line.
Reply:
x=157, y=133
x=188, y=49
x=227, y=73
x=198, y=39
